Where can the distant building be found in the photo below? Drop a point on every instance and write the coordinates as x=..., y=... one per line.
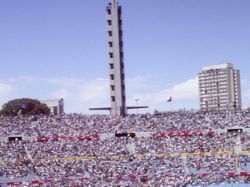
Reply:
x=219, y=88
x=56, y=105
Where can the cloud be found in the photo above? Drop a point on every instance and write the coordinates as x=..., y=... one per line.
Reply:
x=65, y=81
x=62, y=93
x=184, y=94
x=81, y=94
x=80, y=89
x=11, y=84
x=20, y=79
x=246, y=98
x=245, y=92
x=184, y=90
x=138, y=82
x=5, y=89
x=5, y=92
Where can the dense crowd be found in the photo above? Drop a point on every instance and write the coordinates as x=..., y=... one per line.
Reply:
x=77, y=124
x=151, y=159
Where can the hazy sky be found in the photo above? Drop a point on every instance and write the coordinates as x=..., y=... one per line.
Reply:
x=58, y=48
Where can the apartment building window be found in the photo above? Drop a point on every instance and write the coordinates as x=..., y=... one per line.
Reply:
x=119, y=11
x=121, y=54
x=121, y=43
x=120, y=32
x=109, y=11
x=123, y=87
x=123, y=76
x=122, y=65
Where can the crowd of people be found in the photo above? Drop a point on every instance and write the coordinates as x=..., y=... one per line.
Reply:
x=78, y=124
x=175, y=148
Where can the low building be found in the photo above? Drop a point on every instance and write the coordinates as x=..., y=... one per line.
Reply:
x=56, y=105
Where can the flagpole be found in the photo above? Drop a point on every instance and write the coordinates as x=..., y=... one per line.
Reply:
x=170, y=103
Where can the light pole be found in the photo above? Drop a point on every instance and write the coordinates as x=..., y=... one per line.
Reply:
x=136, y=100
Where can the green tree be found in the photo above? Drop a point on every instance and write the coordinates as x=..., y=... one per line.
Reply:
x=24, y=106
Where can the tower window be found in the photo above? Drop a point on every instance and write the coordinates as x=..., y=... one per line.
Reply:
x=110, y=33
x=112, y=87
x=112, y=76
x=113, y=98
x=111, y=66
x=111, y=55
x=110, y=44
x=109, y=22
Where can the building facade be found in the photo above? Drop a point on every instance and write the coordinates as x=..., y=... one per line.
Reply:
x=56, y=106
x=116, y=59
x=219, y=88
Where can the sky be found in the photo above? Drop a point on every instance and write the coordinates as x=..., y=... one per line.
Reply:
x=53, y=49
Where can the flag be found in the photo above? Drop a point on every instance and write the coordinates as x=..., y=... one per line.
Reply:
x=170, y=99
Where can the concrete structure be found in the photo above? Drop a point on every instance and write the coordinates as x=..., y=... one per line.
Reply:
x=116, y=59
x=219, y=88
x=116, y=62
x=56, y=105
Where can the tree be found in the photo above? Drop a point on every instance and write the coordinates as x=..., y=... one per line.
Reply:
x=24, y=106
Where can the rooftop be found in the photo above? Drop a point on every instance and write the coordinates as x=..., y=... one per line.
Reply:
x=217, y=66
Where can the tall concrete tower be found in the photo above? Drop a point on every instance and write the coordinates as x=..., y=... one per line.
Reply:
x=116, y=62
x=116, y=59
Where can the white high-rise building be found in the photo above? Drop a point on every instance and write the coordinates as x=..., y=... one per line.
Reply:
x=219, y=88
